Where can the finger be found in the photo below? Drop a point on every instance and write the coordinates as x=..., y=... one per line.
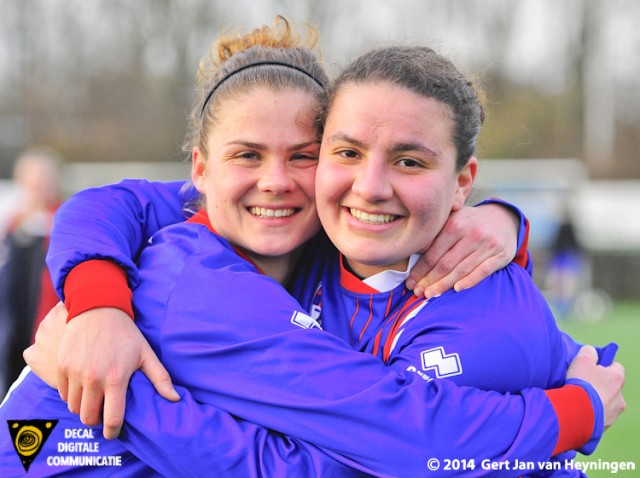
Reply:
x=443, y=267
x=454, y=266
x=158, y=375
x=60, y=310
x=588, y=352
x=63, y=373
x=63, y=385
x=29, y=355
x=423, y=271
x=91, y=406
x=618, y=368
x=480, y=273
x=434, y=289
x=114, y=408
x=460, y=280
x=74, y=397
x=420, y=271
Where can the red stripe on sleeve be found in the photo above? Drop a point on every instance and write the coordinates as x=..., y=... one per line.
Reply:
x=97, y=283
x=575, y=417
x=522, y=258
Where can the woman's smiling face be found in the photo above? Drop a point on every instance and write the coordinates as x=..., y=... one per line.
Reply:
x=259, y=176
x=387, y=178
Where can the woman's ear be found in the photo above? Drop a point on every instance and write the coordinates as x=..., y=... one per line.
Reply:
x=466, y=178
x=198, y=170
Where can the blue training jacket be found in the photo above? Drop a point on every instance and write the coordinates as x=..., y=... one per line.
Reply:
x=283, y=373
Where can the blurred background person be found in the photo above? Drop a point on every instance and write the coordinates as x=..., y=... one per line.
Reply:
x=26, y=291
x=566, y=271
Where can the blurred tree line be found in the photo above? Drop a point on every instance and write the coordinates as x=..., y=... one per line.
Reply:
x=111, y=80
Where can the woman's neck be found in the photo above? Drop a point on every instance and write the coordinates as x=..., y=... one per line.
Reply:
x=279, y=268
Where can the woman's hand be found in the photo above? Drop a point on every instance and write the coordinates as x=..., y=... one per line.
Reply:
x=607, y=381
x=91, y=359
x=42, y=356
x=474, y=243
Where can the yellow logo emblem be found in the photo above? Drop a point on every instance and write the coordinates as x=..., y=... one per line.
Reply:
x=28, y=436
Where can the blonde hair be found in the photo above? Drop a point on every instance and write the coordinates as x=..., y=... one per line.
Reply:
x=285, y=58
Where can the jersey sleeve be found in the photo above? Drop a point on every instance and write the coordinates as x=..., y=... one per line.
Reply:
x=96, y=283
x=522, y=257
x=256, y=360
x=441, y=343
x=521, y=344
x=187, y=438
x=113, y=223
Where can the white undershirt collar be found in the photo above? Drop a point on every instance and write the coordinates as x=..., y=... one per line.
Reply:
x=386, y=280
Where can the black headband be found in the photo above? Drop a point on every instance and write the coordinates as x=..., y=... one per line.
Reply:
x=250, y=65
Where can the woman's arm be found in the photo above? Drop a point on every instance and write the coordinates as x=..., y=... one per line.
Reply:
x=112, y=224
x=474, y=243
x=188, y=438
x=171, y=436
x=248, y=357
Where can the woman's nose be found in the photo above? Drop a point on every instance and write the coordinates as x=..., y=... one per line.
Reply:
x=372, y=182
x=276, y=177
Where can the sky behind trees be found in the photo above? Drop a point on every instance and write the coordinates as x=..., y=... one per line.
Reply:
x=112, y=79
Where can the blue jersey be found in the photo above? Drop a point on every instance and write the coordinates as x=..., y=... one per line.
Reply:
x=499, y=335
x=203, y=308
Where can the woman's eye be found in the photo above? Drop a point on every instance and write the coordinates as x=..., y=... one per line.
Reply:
x=305, y=156
x=348, y=153
x=409, y=163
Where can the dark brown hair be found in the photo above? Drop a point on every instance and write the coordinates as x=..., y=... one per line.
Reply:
x=423, y=71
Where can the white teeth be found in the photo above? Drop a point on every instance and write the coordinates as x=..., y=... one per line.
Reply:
x=372, y=218
x=264, y=212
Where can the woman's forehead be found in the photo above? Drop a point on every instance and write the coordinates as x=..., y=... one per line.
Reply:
x=382, y=101
x=391, y=117
x=265, y=116
x=259, y=99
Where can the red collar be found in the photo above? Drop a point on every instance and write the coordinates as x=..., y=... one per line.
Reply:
x=353, y=283
x=202, y=218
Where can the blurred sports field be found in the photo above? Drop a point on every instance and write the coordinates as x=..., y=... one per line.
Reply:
x=621, y=443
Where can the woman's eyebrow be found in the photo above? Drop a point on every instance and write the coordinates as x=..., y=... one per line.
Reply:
x=346, y=138
x=253, y=145
x=248, y=144
x=396, y=148
x=402, y=147
x=295, y=147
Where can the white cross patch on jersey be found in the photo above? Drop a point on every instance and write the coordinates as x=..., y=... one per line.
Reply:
x=304, y=321
x=444, y=365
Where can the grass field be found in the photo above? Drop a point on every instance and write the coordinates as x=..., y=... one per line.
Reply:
x=621, y=443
